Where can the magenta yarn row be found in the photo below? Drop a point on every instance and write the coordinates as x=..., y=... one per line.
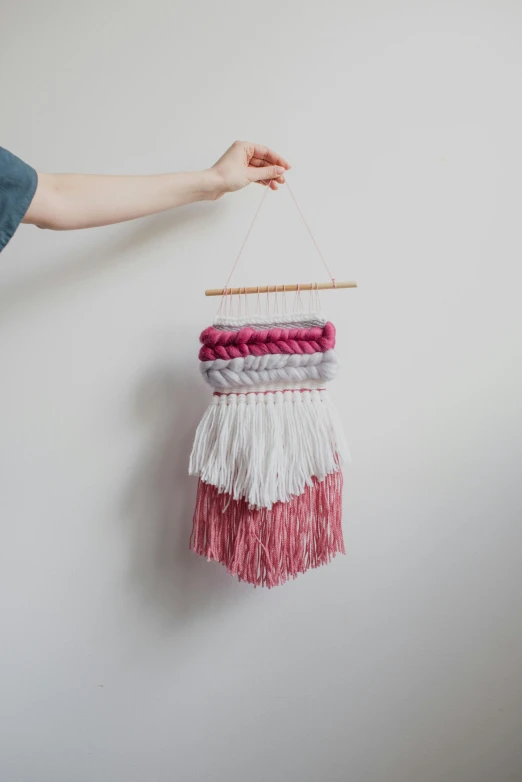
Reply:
x=250, y=342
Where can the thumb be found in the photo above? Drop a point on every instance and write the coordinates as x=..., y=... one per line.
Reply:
x=265, y=172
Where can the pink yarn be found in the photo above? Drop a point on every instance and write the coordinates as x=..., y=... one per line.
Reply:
x=213, y=337
x=257, y=343
x=267, y=547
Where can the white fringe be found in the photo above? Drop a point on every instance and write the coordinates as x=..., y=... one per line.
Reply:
x=268, y=447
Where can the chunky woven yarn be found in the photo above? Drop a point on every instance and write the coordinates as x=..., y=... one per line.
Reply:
x=247, y=341
x=254, y=370
x=269, y=448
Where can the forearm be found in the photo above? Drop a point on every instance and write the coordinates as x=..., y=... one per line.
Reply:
x=69, y=201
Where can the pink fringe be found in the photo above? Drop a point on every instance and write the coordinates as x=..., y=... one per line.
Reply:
x=267, y=547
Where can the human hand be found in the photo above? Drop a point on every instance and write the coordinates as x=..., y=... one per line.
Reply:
x=244, y=163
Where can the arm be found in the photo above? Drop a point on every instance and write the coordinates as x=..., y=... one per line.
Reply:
x=68, y=201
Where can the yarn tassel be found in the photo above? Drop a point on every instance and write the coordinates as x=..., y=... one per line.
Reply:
x=268, y=447
x=266, y=547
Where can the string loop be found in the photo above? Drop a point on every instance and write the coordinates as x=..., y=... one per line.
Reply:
x=226, y=287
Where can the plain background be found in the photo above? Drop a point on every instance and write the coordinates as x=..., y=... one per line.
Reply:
x=126, y=658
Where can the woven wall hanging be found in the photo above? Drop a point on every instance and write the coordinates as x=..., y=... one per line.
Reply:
x=269, y=449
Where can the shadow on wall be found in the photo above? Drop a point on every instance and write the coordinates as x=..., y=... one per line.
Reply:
x=76, y=266
x=159, y=504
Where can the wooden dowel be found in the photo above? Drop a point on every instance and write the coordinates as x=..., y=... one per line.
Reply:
x=305, y=286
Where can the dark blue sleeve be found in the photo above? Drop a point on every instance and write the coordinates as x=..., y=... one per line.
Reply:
x=17, y=187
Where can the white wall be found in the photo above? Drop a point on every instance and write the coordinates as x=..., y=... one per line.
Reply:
x=124, y=657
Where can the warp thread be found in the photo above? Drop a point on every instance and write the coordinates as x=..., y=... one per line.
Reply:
x=280, y=319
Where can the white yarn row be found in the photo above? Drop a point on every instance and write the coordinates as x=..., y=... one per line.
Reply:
x=253, y=370
x=283, y=396
x=270, y=361
x=276, y=385
x=298, y=320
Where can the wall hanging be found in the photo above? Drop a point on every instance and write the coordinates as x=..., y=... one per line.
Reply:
x=269, y=449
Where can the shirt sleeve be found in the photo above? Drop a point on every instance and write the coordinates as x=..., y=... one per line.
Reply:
x=18, y=183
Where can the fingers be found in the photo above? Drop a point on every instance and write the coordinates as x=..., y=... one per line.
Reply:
x=256, y=161
x=265, y=173
x=271, y=157
x=261, y=163
x=260, y=152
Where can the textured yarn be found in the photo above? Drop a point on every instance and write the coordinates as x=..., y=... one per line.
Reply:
x=287, y=320
x=259, y=393
x=269, y=448
x=226, y=378
x=274, y=386
x=270, y=361
x=256, y=370
x=267, y=547
x=213, y=337
x=249, y=342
